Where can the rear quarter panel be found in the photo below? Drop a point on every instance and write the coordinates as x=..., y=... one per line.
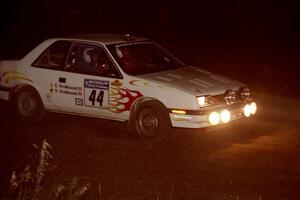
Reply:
x=19, y=72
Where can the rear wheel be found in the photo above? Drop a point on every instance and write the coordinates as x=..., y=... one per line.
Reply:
x=28, y=104
x=152, y=121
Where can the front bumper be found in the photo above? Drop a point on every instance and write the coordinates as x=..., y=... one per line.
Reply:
x=200, y=118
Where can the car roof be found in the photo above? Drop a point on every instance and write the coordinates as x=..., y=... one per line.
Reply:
x=105, y=38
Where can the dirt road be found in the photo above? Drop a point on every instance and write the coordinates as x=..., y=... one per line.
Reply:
x=257, y=158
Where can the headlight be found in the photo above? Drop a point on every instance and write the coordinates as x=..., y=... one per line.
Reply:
x=205, y=101
x=230, y=97
x=245, y=93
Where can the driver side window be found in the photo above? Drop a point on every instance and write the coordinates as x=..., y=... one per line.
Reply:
x=90, y=59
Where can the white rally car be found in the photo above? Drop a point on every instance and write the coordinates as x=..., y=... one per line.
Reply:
x=121, y=78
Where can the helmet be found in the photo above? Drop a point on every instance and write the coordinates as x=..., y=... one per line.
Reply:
x=86, y=55
x=119, y=52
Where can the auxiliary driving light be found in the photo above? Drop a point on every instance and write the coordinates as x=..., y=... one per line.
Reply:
x=201, y=100
x=225, y=116
x=230, y=97
x=253, y=108
x=214, y=118
x=247, y=110
x=245, y=93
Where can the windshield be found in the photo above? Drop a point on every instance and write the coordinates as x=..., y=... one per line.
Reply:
x=143, y=58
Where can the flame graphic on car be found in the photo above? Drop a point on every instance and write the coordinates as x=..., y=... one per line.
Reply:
x=121, y=99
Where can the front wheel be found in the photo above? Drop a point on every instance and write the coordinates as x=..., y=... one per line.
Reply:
x=28, y=104
x=152, y=121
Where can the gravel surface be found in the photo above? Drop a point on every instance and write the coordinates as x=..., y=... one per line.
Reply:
x=256, y=158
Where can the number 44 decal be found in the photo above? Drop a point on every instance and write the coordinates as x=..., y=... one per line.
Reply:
x=99, y=99
x=96, y=98
x=96, y=93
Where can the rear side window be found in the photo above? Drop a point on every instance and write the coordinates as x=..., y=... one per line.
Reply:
x=54, y=57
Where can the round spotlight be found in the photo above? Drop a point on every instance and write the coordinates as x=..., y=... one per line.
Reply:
x=214, y=118
x=225, y=116
x=201, y=101
x=247, y=110
x=245, y=93
x=230, y=97
x=253, y=108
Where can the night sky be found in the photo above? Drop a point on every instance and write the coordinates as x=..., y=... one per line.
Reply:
x=225, y=19
x=236, y=33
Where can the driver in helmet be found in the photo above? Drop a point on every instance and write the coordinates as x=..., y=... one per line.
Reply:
x=95, y=58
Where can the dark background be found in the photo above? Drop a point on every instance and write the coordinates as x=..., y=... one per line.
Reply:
x=255, y=41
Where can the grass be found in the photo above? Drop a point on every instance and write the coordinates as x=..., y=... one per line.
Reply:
x=28, y=184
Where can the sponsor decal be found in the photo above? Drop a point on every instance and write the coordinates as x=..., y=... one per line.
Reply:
x=13, y=75
x=78, y=101
x=96, y=93
x=121, y=99
x=96, y=84
x=116, y=83
x=62, y=88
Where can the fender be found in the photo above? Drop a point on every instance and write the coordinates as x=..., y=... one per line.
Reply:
x=135, y=107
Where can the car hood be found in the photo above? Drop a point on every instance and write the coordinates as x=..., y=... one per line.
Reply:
x=194, y=80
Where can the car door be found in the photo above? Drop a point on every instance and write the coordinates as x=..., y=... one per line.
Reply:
x=89, y=75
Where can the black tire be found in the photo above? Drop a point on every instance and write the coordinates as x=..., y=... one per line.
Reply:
x=152, y=121
x=28, y=105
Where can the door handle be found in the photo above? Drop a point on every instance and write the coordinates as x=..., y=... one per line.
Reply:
x=62, y=80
